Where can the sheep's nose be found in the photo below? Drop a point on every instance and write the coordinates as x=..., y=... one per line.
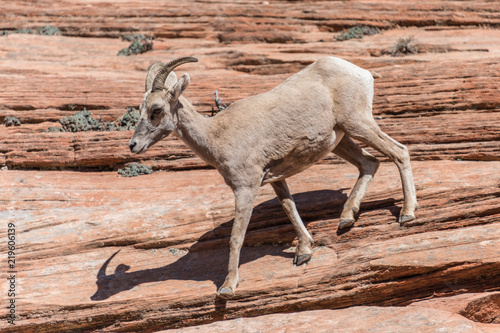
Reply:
x=131, y=145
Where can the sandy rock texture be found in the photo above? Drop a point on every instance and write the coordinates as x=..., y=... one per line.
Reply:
x=360, y=319
x=99, y=252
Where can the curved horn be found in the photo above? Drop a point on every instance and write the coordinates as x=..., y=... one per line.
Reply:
x=159, y=81
x=152, y=70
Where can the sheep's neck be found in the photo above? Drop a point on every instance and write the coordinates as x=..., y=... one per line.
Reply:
x=192, y=129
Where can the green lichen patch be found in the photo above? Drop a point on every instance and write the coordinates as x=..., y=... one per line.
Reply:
x=54, y=129
x=357, y=32
x=129, y=120
x=139, y=44
x=11, y=121
x=135, y=169
x=83, y=121
x=47, y=30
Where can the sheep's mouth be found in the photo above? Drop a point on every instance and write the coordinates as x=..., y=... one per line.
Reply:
x=139, y=150
x=142, y=151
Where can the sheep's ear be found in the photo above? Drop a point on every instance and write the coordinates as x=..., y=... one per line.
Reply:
x=180, y=86
x=171, y=80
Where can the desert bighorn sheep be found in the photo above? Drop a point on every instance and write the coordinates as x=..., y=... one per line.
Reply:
x=268, y=137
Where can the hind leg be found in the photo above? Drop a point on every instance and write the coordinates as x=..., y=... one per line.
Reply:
x=370, y=134
x=303, y=252
x=367, y=165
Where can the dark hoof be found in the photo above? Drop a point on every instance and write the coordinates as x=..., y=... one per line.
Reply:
x=406, y=218
x=301, y=259
x=346, y=223
x=225, y=292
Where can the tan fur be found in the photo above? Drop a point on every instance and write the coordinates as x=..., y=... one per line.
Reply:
x=269, y=137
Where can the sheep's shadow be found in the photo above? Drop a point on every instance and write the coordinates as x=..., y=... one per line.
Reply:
x=207, y=259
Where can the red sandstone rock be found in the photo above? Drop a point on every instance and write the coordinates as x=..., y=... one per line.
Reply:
x=359, y=319
x=453, y=129
x=485, y=309
x=171, y=230
x=480, y=307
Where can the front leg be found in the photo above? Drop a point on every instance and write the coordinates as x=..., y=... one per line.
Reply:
x=303, y=252
x=244, y=198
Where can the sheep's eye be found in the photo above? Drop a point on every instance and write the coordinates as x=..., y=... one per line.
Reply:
x=157, y=110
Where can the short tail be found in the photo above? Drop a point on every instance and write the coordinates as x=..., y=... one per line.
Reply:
x=376, y=75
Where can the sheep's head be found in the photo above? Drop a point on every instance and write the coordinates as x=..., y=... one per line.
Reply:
x=159, y=104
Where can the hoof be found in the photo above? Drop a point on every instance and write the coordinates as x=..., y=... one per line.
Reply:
x=301, y=259
x=406, y=218
x=346, y=223
x=225, y=292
